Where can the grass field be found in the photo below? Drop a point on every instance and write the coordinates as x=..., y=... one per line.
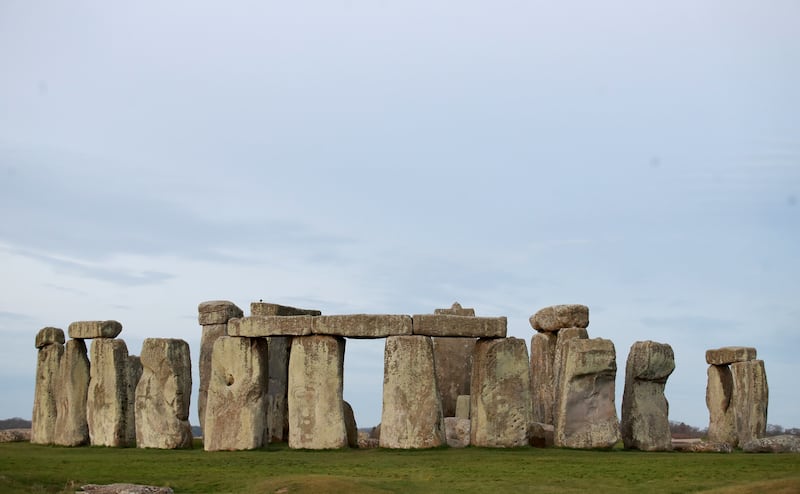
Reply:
x=36, y=469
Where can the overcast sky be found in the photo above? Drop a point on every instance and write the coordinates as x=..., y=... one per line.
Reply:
x=642, y=158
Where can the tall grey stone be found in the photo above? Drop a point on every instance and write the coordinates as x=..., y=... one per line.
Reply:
x=107, y=404
x=237, y=397
x=278, y=387
x=94, y=329
x=586, y=417
x=133, y=372
x=500, y=399
x=543, y=354
x=49, y=341
x=564, y=336
x=719, y=393
x=453, y=365
x=213, y=316
x=645, y=410
x=163, y=394
x=412, y=411
x=316, y=378
x=350, y=425
x=750, y=400
x=72, y=429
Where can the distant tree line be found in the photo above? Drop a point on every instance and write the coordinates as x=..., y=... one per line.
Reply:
x=680, y=430
x=15, y=423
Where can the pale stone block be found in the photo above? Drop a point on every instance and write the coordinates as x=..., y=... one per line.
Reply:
x=459, y=326
x=107, y=405
x=211, y=333
x=49, y=336
x=260, y=326
x=462, y=407
x=267, y=309
x=362, y=325
x=558, y=317
x=645, y=410
x=163, y=394
x=217, y=312
x=750, y=400
x=412, y=410
x=316, y=409
x=730, y=354
x=72, y=429
x=457, y=432
x=45, y=404
x=453, y=364
x=95, y=329
x=237, y=398
x=501, y=394
x=564, y=336
x=719, y=393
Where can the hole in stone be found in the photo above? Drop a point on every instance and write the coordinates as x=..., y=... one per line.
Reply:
x=229, y=379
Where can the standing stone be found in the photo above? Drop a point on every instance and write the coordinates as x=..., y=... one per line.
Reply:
x=107, y=405
x=719, y=393
x=457, y=431
x=564, y=337
x=645, y=410
x=501, y=393
x=163, y=394
x=72, y=429
x=213, y=316
x=586, y=417
x=237, y=398
x=316, y=378
x=750, y=399
x=278, y=387
x=133, y=374
x=49, y=341
x=453, y=365
x=412, y=410
x=543, y=354
x=462, y=407
x=350, y=425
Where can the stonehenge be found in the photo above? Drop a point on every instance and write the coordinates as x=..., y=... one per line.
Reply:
x=450, y=378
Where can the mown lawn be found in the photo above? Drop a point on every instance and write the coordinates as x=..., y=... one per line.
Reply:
x=34, y=469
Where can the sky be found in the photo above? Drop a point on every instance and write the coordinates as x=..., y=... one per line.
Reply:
x=641, y=158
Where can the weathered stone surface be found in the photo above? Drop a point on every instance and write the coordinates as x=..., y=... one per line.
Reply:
x=48, y=336
x=586, y=417
x=775, y=444
x=564, y=336
x=456, y=310
x=95, y=329
x=15, y=435
x=459, y=326
x=217, y=312
x=45, y=408
x=543, y=354
x=278, y=388
x=542, y=435
x=316, y=406
x=258, y=326
x=237, y=399
x=362, y=325
x=462, y=407
x=124, y=489
x=457, y=432
x=163, y=394
x=558, y=317
x=645, y=410
x=267, y=309
x=72, y=429
x=350, y=425
x=211, y=333
x=412, y=410
x=107, y=405
x=708, y=447
x=750, y=400
x=719, y=393
x=453, y=365
x=730, y=354
x=501, y=394
x=133, y=372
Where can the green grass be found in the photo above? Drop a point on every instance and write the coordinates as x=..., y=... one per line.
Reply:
x=37, y=469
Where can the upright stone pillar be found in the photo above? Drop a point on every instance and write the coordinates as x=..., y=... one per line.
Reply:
x=645, y=410
x=564, y=337
x=412, y=411
x=719, y=392
x=500, y=400
x=213, y=317
x=316, y=379
x=453, y=358
x=50, y=343
x=543, y=353
x=586, y=416
x=72, y=429
x=107, y=408
x=163, y=394
x=750, y=399
x=237, y=398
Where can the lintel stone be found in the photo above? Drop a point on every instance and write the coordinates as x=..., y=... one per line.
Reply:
x=257, y=326
x=48, y=336
x=95, y=329
x=362, y=325
x=558, y=317
x=268, y=309
x=460, y=326
x=456, y=310
x=217, y=312
x=730, y=354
